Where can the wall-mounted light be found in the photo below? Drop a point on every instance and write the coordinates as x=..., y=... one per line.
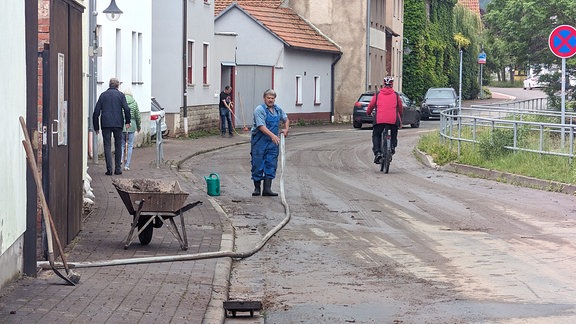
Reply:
x=112, y=12
x=407, y=49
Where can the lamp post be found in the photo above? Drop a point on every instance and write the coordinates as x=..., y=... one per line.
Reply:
x=112, y=13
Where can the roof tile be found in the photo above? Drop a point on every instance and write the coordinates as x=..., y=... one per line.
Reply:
x=284, y=23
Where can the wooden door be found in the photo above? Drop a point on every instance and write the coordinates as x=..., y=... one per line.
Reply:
x=62, y=119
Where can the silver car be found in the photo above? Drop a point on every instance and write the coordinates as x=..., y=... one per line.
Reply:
x=157, y=113
x=436, y=100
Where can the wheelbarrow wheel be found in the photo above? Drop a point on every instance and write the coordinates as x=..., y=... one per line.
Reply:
x=146, y=235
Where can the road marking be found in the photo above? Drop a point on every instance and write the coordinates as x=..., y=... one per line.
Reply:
x=323, y=234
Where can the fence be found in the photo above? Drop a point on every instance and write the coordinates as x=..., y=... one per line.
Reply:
x=527, y=125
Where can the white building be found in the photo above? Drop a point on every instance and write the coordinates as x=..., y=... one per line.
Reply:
x=186, y=68
x=12, y=156
x=278, y=49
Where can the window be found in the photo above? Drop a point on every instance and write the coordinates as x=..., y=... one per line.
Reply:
x=118, y=63
x=205, y=63
x=316, y=90
x=190, y=63
x=298, y=90
x=136, y=57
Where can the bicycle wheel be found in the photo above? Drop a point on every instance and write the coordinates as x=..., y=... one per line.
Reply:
x=387, y=155
x=383, y=149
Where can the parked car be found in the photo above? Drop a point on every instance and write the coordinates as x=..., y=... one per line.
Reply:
x=436, y=100
x=157, y=112
x=533, y=82
x=410, y=115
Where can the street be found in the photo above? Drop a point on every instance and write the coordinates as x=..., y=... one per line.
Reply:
x=416, y=245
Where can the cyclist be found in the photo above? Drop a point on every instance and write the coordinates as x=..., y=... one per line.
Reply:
x=387, y=107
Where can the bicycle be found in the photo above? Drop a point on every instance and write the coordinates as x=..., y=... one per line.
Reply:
x=386, y=149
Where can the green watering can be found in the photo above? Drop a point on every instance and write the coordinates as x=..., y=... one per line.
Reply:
x=213, y=184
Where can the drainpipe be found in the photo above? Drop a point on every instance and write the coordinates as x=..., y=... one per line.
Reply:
x=332, y=86
x=93, y=81
x=367, y=46
x=184, y=64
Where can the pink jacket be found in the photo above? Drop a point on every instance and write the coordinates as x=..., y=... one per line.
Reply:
x=389, y=106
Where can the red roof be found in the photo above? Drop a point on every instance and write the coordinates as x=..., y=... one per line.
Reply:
x=284, y=23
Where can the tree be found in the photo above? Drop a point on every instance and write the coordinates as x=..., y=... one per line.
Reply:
x=525, y=25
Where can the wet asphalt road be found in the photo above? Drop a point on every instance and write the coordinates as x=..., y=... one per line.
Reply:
x=416, y=245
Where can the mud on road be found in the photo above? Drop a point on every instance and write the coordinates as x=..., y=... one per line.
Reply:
x=416, y=245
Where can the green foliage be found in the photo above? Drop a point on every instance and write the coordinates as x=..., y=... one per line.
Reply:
x=203, y=133
x=440, y=152
x=546, y=167
x=518, y=30
x=434, y=60
x=492, y=144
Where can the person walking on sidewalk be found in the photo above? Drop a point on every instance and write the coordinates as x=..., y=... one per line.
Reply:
x=264, y=142
x=112, y=113
x=225, y=106
x=129, y=133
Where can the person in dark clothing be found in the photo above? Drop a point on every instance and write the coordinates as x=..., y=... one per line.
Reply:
x=225, y=106
x=112, y=113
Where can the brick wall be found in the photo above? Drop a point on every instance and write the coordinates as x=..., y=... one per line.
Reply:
x=202, y=117
x=43, y=40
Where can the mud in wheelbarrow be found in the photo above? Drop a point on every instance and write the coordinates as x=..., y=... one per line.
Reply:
x=152, y=204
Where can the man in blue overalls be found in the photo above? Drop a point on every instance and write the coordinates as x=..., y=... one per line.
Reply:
x=264, y=142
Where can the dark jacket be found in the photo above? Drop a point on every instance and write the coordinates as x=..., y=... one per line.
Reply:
x=111, y=110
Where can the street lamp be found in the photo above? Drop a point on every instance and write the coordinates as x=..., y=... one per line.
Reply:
x=407, y=49
x=112, y=12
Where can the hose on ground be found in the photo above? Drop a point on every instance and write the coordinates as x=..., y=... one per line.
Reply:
x=197, y=256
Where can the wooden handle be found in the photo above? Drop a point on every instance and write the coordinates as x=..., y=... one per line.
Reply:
x=50, y=227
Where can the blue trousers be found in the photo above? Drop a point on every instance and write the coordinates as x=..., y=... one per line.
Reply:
x=264, y=158
x=225, y=119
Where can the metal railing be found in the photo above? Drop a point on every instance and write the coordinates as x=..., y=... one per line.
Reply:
x=526, y=125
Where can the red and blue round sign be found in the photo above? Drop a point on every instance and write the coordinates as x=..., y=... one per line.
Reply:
x=562, y=41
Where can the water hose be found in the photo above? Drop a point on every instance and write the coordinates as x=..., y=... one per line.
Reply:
x=199, y=256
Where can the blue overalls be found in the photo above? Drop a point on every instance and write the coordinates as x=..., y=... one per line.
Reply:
x=264, y=152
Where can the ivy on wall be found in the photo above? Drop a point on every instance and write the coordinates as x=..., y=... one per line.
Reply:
x=434, y=60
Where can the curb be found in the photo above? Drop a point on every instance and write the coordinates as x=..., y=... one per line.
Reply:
x=504, y=177
x=221, y=281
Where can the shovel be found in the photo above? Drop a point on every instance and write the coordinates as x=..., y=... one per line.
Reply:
x=72, y=278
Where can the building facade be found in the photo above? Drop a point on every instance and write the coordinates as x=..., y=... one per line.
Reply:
x=370, y=36
x=12, y=156
x=275, y=48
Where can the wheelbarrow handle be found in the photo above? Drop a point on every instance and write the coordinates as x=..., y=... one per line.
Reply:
x=189, y=206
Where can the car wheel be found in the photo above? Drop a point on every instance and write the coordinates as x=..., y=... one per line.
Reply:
x=357, y=125
x=416, y=124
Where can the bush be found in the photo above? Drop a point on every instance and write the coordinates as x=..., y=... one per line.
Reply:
x=492, y=144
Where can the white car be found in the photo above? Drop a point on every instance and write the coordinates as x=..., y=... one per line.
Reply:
x=533, y=82
x=157, y=113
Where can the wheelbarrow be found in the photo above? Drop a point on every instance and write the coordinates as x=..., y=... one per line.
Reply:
x=152, y=204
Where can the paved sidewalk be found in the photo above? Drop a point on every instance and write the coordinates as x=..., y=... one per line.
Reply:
x=172, y=292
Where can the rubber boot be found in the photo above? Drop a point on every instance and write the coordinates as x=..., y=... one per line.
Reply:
x=267, y=191
x=256, y=191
